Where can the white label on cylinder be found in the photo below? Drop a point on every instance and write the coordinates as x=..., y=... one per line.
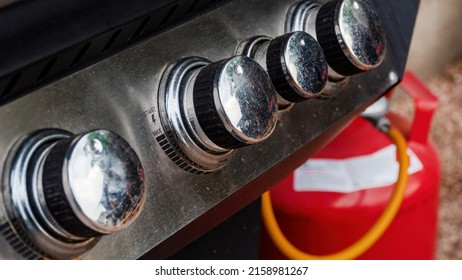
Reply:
x=375, y=170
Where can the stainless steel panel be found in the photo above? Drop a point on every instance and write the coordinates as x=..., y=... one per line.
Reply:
x=119, y=94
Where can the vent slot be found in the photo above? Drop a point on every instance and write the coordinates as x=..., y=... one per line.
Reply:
x=12, y=83
x=47, y=69
x=168, y=15
x=140, y=28
x=111, y=40
x=81, y=53
x=193, y=6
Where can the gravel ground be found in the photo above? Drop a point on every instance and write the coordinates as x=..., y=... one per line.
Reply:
x=447, y=135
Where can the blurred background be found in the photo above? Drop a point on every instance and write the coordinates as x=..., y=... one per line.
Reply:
x=436, y=58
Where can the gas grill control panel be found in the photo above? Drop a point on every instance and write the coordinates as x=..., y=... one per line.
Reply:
x=146, y=150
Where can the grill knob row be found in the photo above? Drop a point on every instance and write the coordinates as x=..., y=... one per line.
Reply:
x=210, y=109
x=349, y=31
x=68, y=190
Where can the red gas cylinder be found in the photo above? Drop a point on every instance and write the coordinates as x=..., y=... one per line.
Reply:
x=336, y=196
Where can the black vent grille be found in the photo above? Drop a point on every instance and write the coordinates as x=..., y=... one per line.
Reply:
x=30, y=73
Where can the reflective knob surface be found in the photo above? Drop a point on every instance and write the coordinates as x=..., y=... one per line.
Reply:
x=234, y=102
x=297, y=66
x=351, y=34
x=92, y=184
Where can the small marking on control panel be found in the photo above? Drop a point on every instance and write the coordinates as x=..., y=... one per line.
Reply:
x=149, y=111
x=17, y=243
x=174, y=154
x=157, y=132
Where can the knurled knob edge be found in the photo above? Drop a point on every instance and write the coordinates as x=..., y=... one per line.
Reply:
x=206, y=109
x=278, y=71
x=329, y=41
x=55, y=197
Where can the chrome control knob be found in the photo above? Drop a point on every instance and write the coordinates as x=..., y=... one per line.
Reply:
x=207, y=110
x=295, y=63
x=65, y=191
x=349, y=31
x=234, y=103
x=90, y=184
